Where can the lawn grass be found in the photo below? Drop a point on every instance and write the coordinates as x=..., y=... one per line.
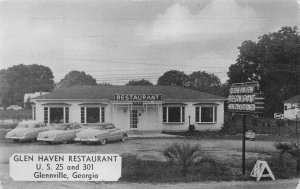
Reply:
x=208, y=169
x=137, y=170
x=224, y=135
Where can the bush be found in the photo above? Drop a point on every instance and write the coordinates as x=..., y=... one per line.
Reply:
x=183, y=155
x=191, y=128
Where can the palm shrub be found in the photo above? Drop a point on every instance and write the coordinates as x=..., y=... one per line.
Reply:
x=184, y=155
x=289, y=148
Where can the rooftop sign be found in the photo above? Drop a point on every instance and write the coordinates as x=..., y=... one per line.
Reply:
x=138, y=97
x=245, y=97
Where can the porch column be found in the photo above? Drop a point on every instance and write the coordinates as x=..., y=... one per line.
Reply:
x=48, y=115
x=146, y=111
x=84, y=114
x=64, y=114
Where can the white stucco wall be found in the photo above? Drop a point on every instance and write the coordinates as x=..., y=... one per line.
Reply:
x=74, y=110
x=292, y=110
x=120, y=117
x=150, y=119
x=190, y=111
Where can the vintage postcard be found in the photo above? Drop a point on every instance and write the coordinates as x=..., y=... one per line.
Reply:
x=149, y=94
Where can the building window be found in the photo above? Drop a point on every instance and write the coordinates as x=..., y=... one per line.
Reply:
x=46, y=114
x=102, y=114
x=174, y=114
x=34, y=113
x=206, y=114
x=285, y=107
x=57, y=115
x=66, y=114
x=92, y=114
x=82, y=115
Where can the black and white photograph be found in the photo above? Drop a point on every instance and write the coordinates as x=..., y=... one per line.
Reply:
x=150, y=94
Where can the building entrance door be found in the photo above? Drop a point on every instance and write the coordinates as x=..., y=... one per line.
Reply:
x=134, y=119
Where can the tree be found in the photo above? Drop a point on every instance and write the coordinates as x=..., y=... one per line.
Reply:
x=22, y=79
x=174, y=77
x=76, y=78
x=3, y=85
x=139, y=82
x=273, y=61
x=105, y=84
x=205, y=82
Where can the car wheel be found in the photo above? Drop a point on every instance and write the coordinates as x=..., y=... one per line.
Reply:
x=83, y=142
x=16, y=140
x=103, y=141
x=124, y=137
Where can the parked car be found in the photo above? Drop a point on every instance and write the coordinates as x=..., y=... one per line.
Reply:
x=101, y=132
x=26, y=131
x=250, y=135
x=59, y=133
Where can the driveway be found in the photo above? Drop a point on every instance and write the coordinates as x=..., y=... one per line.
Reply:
x=143, y=148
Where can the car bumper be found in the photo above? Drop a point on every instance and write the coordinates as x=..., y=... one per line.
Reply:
x=86, y=139
x=46, y=139
x=16, y=138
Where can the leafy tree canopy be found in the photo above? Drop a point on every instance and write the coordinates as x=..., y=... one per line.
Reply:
x=20, y=79
x=174, y=77
x=199, y=80
x=204, y=81
x=139, y=82
x=76, y=78
x=273, y=61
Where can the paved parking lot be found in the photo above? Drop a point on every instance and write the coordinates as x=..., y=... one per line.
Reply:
x=144, y=148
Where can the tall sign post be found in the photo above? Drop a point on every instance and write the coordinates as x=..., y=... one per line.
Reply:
x=245, y=99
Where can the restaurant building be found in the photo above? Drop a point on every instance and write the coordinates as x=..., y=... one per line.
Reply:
x=142, y=108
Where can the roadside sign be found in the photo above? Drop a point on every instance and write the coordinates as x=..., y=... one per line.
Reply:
x=260, y=169
x=245, y=98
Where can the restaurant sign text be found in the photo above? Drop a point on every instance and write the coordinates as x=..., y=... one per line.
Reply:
x=245, y=97
x=138, y=97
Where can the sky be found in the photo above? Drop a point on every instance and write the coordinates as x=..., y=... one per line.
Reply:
x=119, y=40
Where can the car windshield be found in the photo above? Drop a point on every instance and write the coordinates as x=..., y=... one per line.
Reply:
x=25, y=125
x=61, y=127
x=99, y=127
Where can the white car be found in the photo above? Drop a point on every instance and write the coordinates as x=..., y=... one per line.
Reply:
x=27, y=131
x=101, y=133
x=59, y=133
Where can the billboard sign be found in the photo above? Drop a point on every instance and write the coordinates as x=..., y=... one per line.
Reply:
x=245, y=97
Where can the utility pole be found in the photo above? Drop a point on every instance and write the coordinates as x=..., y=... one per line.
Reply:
x=298, y=158
x=244, y=145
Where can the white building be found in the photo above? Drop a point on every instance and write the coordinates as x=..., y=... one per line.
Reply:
x=292, y=107
x=144, y=108
x=29, y=96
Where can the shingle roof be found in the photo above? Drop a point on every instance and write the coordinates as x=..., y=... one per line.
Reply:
x=293, y=99
x=108, y=92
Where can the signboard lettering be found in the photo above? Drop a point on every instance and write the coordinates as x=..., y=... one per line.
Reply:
x=138, y=97
x=244, y=97
x=65, y=167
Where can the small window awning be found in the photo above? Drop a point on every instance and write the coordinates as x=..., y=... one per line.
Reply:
x=205, y=104
x=174, y=104
x=92, y=104
x=56, y=104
